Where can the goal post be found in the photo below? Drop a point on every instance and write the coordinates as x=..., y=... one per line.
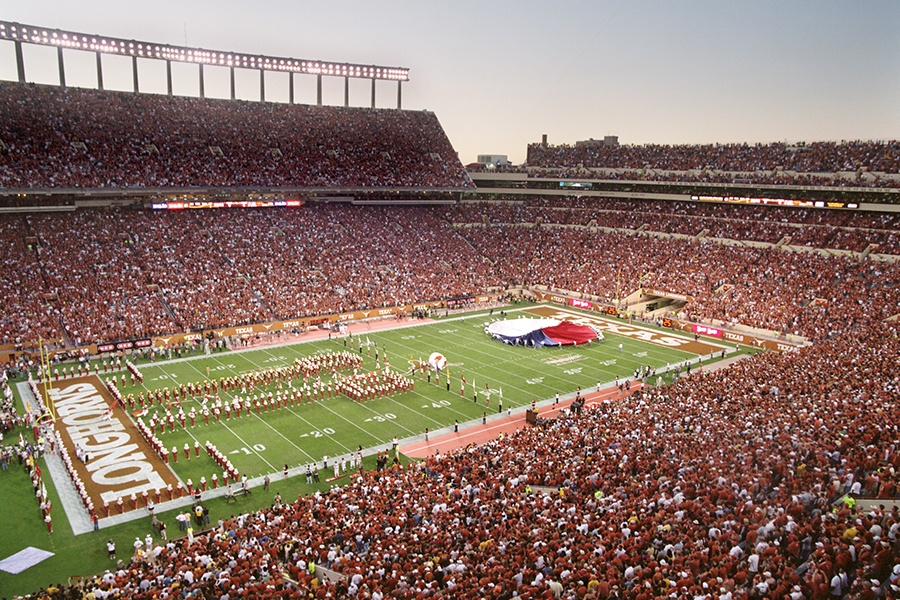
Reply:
x=45, y=378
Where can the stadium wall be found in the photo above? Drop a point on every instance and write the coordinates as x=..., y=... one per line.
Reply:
x=8, y=351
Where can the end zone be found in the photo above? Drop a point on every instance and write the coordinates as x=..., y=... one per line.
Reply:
x=120, y=461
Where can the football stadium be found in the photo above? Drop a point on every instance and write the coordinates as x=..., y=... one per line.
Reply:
x=259, y=349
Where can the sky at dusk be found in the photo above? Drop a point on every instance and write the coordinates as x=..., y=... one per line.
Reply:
x=499, y=75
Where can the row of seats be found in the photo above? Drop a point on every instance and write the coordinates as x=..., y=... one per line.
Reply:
x=838, y=230
x=740, y=179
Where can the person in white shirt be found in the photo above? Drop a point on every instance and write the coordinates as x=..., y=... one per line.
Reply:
x=753, y=563
x=836, y=586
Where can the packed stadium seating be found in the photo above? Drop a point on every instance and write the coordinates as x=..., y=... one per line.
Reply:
x=75, y=138
x=26, y=316
x=838, y=230
x=855, y=179
x=134, y=273
x=720, y=487
x=756, y=163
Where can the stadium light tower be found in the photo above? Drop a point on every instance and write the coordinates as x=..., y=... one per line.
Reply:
x=62, y=39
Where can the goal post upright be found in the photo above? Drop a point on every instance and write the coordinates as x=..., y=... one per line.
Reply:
x=45, y=378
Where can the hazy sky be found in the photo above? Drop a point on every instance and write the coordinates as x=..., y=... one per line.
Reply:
x=499, y=75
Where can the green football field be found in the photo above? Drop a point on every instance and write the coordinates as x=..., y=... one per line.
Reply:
x=335, y=427
x=298, y=435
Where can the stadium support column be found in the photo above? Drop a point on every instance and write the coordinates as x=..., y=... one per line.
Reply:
x=202, y=89
x=346, y=92
x=262, y=85
x=62, y=66
x=169, y=77
x=99, y=71
x=319, y=90
x=232, y=82
x=291, y=88
x=134, y=74
x=373, y=92
x=20, y=62
x=399, y=106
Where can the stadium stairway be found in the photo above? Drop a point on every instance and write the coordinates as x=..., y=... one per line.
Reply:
x=869, y=250
x=262, y=302
x=68, y=343
x=162, y=300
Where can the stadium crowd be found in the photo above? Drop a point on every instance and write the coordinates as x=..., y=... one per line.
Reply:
x=75, y=138
x=26, y=315
x=133, y=273
x=854, y=179
x=99, y=293
x=839, y=230
x=719, y=487
x=341, y=258
x=816, y=157
x=770, y=288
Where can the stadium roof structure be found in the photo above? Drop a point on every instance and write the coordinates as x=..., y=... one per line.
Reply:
x=109, y=45
x=63, y=39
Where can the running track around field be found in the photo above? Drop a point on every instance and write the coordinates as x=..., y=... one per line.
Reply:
x=479, y=434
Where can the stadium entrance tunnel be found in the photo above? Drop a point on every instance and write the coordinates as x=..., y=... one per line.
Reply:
x=655, y=303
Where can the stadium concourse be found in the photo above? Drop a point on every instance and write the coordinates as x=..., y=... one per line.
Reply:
x=726, y=485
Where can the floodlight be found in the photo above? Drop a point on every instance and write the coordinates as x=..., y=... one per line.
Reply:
x=41, y=36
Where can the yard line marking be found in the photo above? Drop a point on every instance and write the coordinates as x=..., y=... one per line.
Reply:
x=333, y=412
x=484, y=376
x=397, y=402
x=331, y=439
x=263, y=421
x=655, y=354
x=246, y=445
